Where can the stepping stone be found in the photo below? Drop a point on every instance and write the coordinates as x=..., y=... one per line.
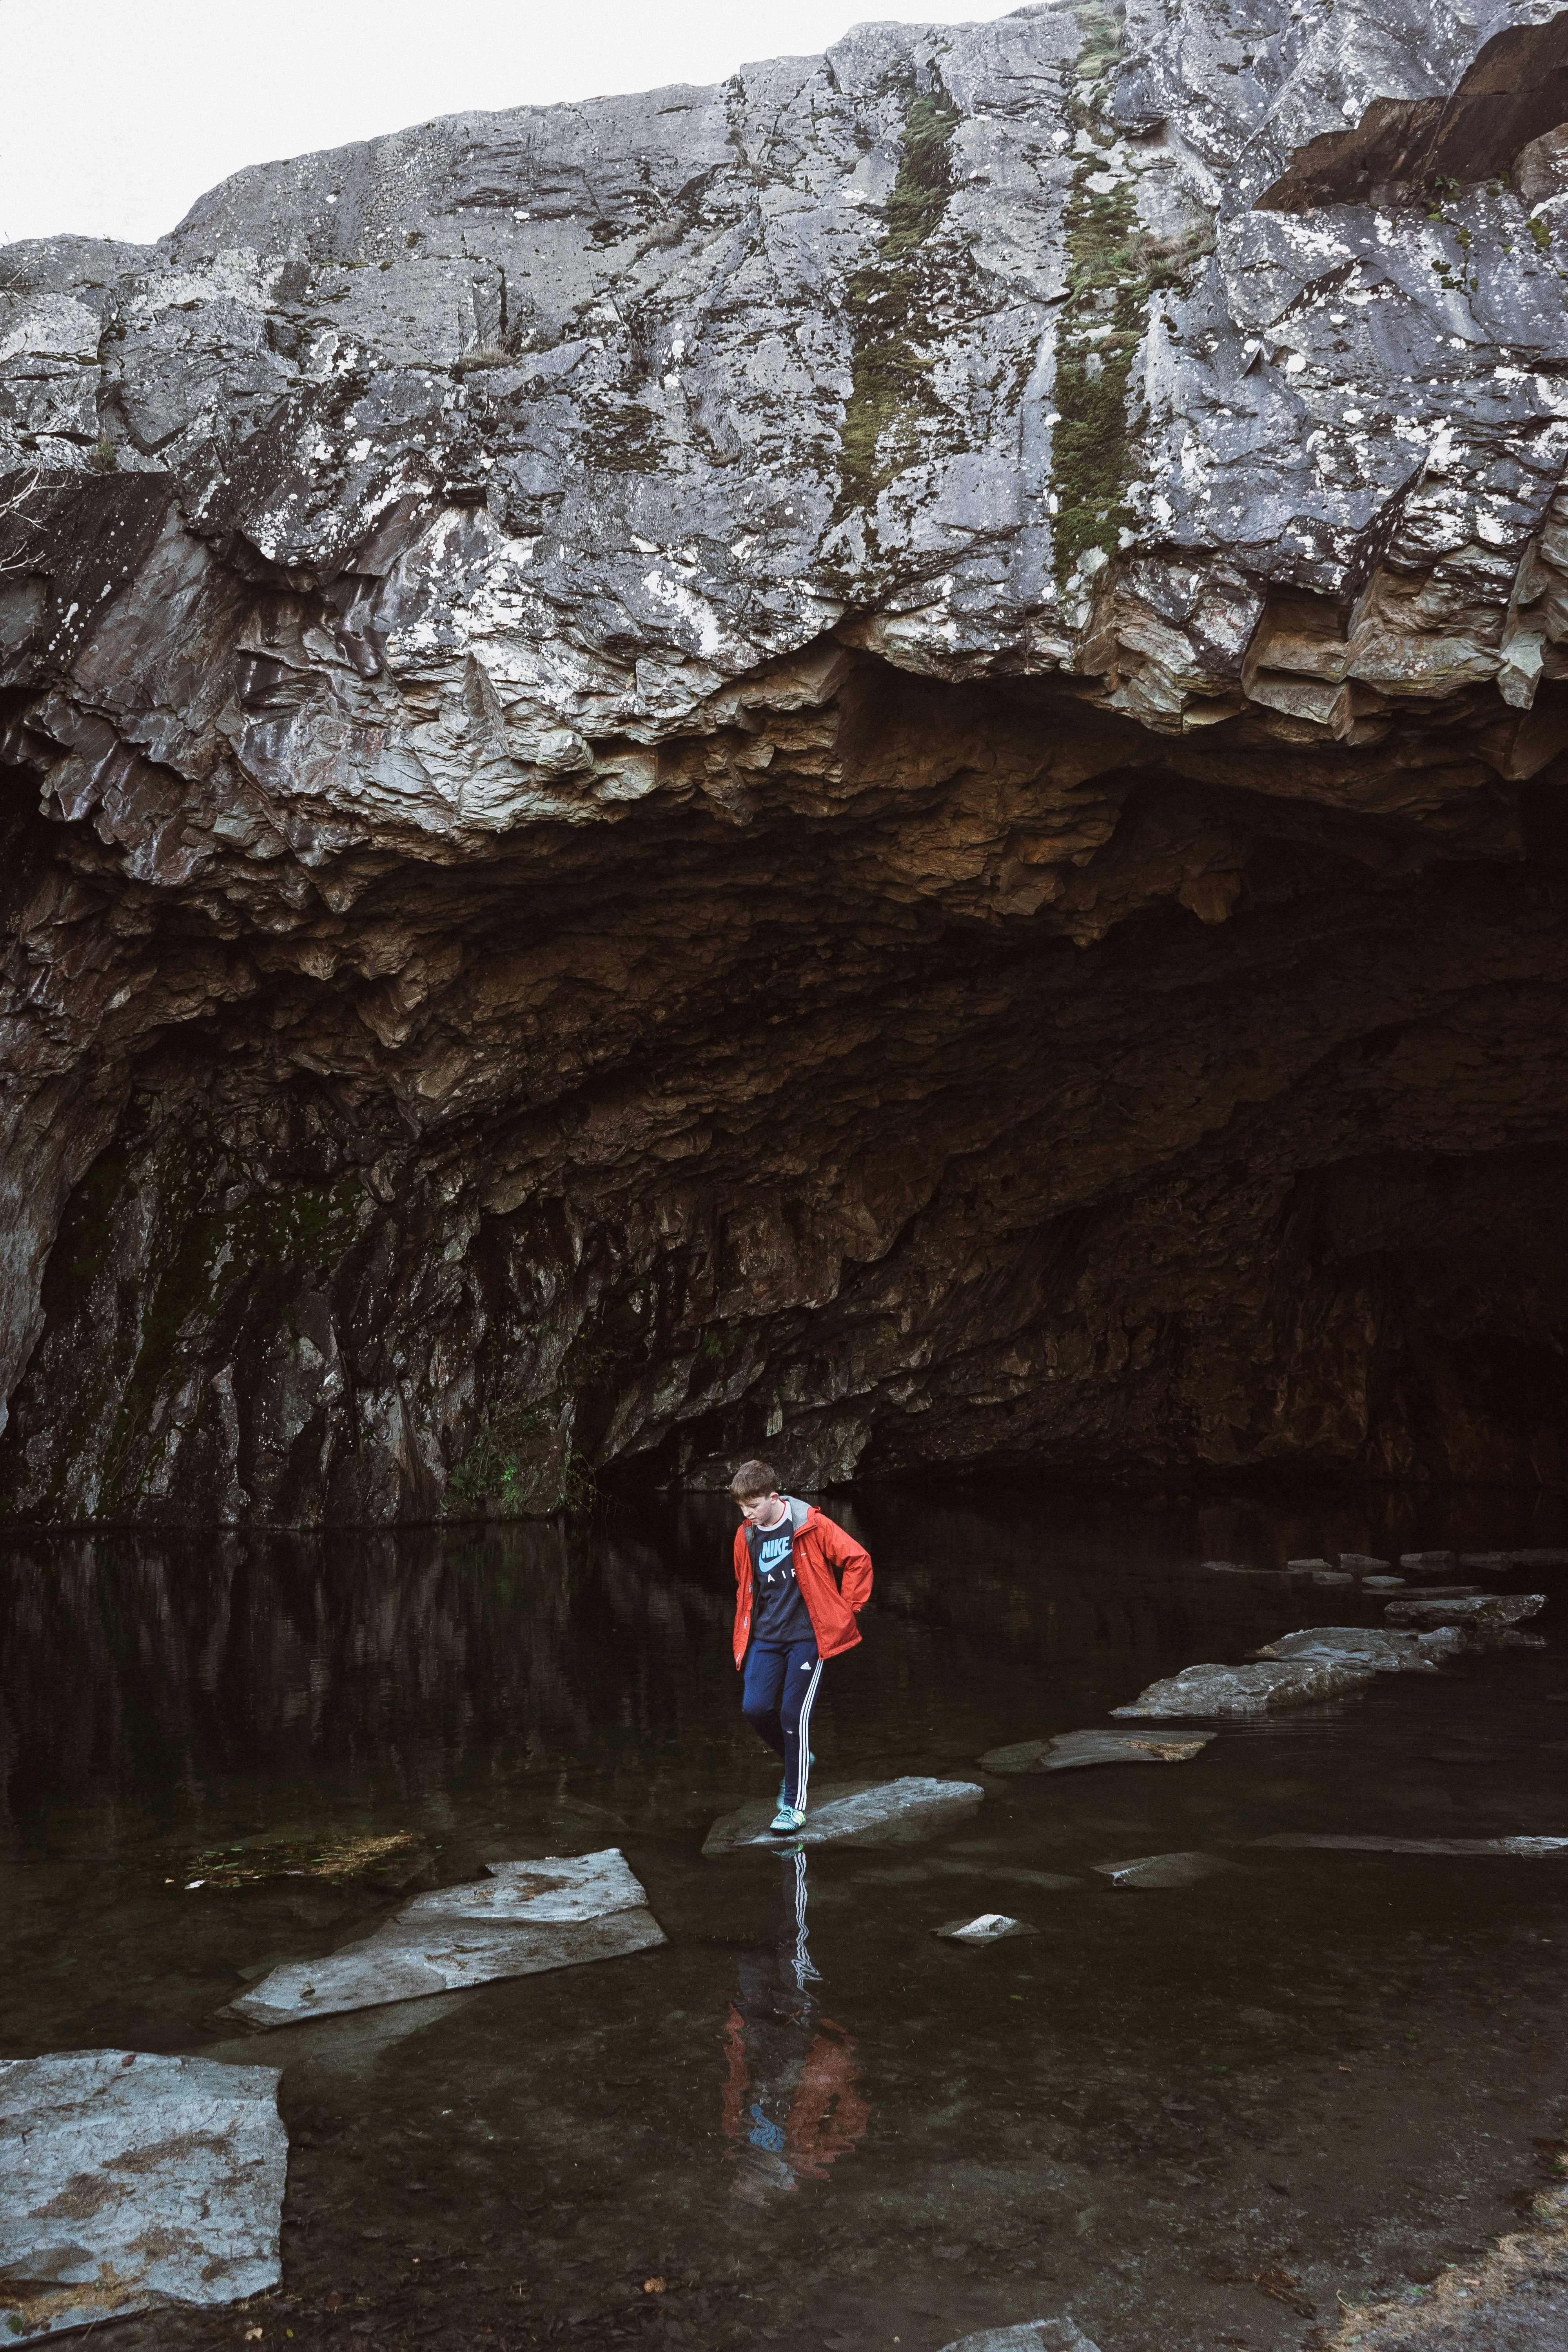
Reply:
x=1550, y=1557
x=133, y=2181
x=1029, y=2336
x=1382, y=1583
x=989, y=1927
x=1248, y=1690
x=1163, y=1870
x=1305, y=1567
x=1537, y=1846
x=1332, y=1576
x=1495, y=1563
x=1069, y=1751
x=526, y=1917
x=1358, y=1562
x=1485, y=1613
x=1232, y=1567
x=1375, y=1647
x=1431, y=1563
x=869, y=1812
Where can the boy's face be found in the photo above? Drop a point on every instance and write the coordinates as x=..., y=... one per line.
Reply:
x=765, y=1507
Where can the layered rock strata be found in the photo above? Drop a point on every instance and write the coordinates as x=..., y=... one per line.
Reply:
x=867, y=762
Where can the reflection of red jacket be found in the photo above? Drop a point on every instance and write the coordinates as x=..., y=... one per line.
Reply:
x=826, y=2116
x=820, y=1546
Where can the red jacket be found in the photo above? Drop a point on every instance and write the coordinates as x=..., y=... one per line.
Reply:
x=820, y=1546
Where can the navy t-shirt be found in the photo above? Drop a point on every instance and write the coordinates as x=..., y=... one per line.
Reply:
x=781, y=1615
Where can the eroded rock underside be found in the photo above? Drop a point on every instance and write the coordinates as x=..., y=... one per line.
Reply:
x=867, y=762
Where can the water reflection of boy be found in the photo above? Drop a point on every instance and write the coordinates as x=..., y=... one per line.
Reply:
x=792, y=1614
x=791, y=2102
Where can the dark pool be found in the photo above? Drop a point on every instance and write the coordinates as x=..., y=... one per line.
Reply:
x=1203, y=2117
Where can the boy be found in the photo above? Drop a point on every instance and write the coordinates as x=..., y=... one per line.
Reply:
x=790, y=1618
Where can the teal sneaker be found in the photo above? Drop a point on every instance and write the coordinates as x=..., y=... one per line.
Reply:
x=785, y=1819
x=783, y=1784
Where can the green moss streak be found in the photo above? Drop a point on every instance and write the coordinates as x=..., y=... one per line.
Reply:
x=1113, y=267
x=888, y=298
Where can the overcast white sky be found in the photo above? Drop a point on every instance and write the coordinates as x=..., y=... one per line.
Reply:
x=118, y=113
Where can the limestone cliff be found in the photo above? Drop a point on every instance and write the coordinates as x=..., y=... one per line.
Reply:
x=870, y=760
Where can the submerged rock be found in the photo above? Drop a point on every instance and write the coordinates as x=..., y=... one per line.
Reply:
x=1164, y=1869
x=1541, y=1847
x=866, y=1812
x=986, y=1928
x=389, y=1861
x=1029, y=2335
x=1070, y=1751
x=1430, y=1563
x=133, y=2180
x=1249, y=1689
x=525, y=1918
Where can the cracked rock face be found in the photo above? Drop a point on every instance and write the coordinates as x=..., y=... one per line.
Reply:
x=867, y=764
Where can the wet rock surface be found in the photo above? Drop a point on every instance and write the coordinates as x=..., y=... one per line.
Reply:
x=1370, y=1647
x=985, y=1927
x=888, y=1813
x=1250, y=1689
x=1071, y=1751
x=557, y=1913
x=1482, y=1614
x=134, y=2180
x=1538, y=1848
x=1160, y=1870
x=994, y=601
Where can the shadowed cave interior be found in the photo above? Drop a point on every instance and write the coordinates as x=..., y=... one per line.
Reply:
x=973, y=1080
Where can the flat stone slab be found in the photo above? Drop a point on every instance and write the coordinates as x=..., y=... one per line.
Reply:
x=1070, y=1751
x=1430, y=1563
x=877, y=1812
x=1359, y=1562
x=1486, y=1612
x=133, y=2180
x=1029, y=2336
x=1381, y=1583
x=1377, y=1648
x=1248, y=1690
x=525, y=1918
x=1164, y=1869
x=1540, y=1846
x=985, y=1927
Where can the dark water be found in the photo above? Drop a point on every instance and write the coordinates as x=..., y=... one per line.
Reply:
x=818, y=2123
